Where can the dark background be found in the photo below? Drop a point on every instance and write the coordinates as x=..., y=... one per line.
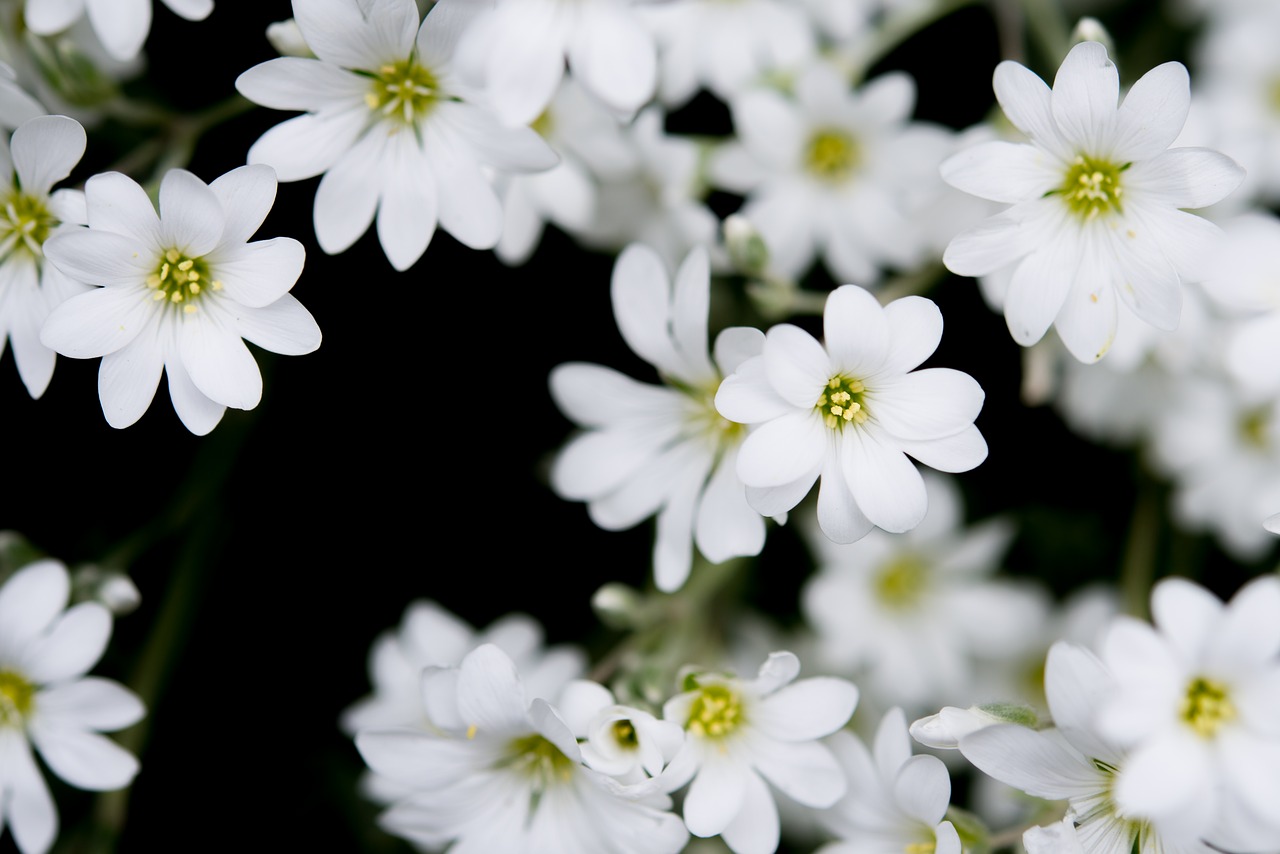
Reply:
x=403, y=459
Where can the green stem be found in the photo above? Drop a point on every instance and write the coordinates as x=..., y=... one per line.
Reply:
x=1048, y=28
x=1138, y=567
x=897, y=28
x=914, y=283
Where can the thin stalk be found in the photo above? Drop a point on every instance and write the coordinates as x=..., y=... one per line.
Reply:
x=1138, y=566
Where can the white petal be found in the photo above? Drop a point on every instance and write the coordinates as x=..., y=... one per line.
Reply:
x=1086, y=91
x=783, y=450
x=91, y=703
x=307, y=145
x=922, y=789
x=1087, y=321
x=28, y=308
x=886, y=484
x=755, y=829
x=490, y=696
x=777, y=500
x=1185, y=177
x=284, y=327
x=348, y=193
x=596, y=396
x=300, y=83
x=613, y=57
x=72, y=645
x=915, y=328
x=1153, y=113
x=1031, y=761
x=1149, y=286
x=838, y=514
x=690, y=307
x=806, y=710
x=769, y=126
x=191, y=217
x=359, y=35
x=48, y=17
x=856, y=331
x=1186, y=614
x=1003, y=171
x=117, y=203
x=596, y=463
x=84, y=759
x=958, y=452
x=747, y=397
x=806, y=772
x=1038, y=289
x=510, y=149
x=1250, y=634
x=928, y=404
x=197, y=412
x=642, y=308
x=45, y=150
x=736, y=345
x=246, y=194
x=30, y=600
x=259, y=273
x=122, y=25
x=1027, y=102
x=1076, y=683
x=1164, y=776
x=28, y=807
x=673, y=542
x=128, y=378
x=407, y=207
x=797, y=366
x=727, y=526
x=522, y=51
x=468, y=208
x=101, y=258
x=647, y=490
x=1000, y=240
x=716, y=795
x=218, y=362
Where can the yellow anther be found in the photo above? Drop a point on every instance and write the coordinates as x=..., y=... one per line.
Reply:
x=164, y=271
x=186, y=265
x=176, y=296
x=471, y=732
x=193, y=276
x=372, y=100
x=217, y=286
x=153, y=281
x=188, y=309
x=157, y=296
x=172, y=256
x=194, y=288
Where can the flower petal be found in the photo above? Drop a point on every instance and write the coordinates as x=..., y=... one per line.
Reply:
x=195, y=410
x=407, y=206
x=1028, y=103
x=28, y=806
x=755, y=828
x=128, y=379
x=726, y=525
x=73, y=644
x=783, y=450
x=347, y=197
x=716, y=795
x=915, y=328
x=219, y=363
x=468, y=208
x=747, y=397
x=304, y=146
x=928, y=404
x=45, y=150
x=1003, y=171
x=91, y=703
x=1086, y=91
x=797, y=366
x=86, y=760
x=246, y=194
x=806, y=710
x=613, y=56
x=886, y=484
x=284, y=327
x=30, y=600
x=1153, y=113
x=300, y=83
x=838, y=514
x=1039, y=287
x=922, y=789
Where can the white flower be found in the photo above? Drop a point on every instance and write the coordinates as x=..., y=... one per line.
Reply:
x=910, y=615
x=835, y=173
x=896, y=801
x=664, y=450
x=47, y=702
x=1195, y=703
x=44, y=151
x=1074, y=762
x=520, y=49
x=179, y=293
x=725, y=46
x=851, y=411
x=500, y=773
x=626, y=743
x=390, y=125
x=740, y=733
x=122, y=25
x=1096, y=200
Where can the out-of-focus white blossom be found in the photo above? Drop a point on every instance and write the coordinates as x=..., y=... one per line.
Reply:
x=122, y=25
x=627, y=743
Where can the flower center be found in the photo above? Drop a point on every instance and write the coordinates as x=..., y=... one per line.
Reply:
x=1207, y=707
x=26, y=222
x=181, y=281
x=404, y=90
x=1092, y=187
x=1254, y=427
x=832, y=155
x=715, y=713
x=16, y=695
x=625, y=735
x=920, y=847
x=842, y=402
x=541, y=760
x=901, y=582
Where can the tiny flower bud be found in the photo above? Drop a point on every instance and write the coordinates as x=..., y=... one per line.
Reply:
x=747, y=249
x=618, y=606
x=1091, y=30
x=286, y=38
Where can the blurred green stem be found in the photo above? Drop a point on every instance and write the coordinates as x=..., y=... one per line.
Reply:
x=1137, y=572
x=175, y=142
x=897, y=28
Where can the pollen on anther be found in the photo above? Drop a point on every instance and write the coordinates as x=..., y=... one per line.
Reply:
x=471, y=731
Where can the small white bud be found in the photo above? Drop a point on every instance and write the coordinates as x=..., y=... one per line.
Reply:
x=286, y=37
x=747, y=250
x=1091, y=30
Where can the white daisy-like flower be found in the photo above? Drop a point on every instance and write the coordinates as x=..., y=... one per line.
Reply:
x=1097, y=199
x=180, y=293
x=835, y=173
x=910, y=616
x=627, y=743
x=121, y=25
x=740, y=733
x=661, y=449
x=48, y=703
x=520, y=48
x=501, y=773
x=44, y=151
x=1195, y=704
x=850, y=413
x=391, y=126
x=1075, y=762
x=896, y=801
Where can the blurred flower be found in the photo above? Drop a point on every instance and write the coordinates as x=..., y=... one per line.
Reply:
x=16, y=106
x=179, y=293
x=834, y=173
x=1195, y=704
x=626, y=743
x=1096, y=201
x=851, y=411
x=500, y=773
x=44, y=151
x=909, y=615
x=520, y=49
x=661, y=450
x=47, y=702
x=394, y=131
x=122, y=25
x=740, y=733
x=896, y=801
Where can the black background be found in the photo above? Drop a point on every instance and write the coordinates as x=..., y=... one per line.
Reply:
x=403, y=460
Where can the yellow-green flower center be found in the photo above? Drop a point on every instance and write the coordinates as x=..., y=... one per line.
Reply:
x=544, y=124
x=16, y=696
x=832, y=155
x=404, y=91
x=1207, y=706
x=541, y=760
x=624, y=733
x=1092, y=187
x=25, y=223
x=901, y=582
x=842, y=402
x=920, y=847
x=1254, y=427
x=716, y=712
x=181, y=281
